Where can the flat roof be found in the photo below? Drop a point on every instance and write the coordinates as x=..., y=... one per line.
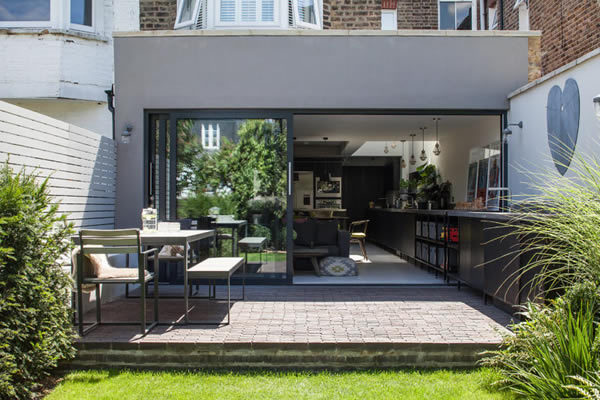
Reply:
x=326, y=32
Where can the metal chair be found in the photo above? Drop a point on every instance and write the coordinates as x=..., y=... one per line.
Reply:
x=120, y=241
x=358, y=234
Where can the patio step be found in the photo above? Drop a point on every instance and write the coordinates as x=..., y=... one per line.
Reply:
x=356, y=355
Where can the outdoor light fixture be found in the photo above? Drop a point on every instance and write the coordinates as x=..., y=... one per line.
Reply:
x=413, y=160
x=507, y=131
x=436, y=149
x=126, y=135
x=597, y=107
x=423, y=155
x=403, y=162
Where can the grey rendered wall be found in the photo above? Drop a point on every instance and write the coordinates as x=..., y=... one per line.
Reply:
x=430, y=72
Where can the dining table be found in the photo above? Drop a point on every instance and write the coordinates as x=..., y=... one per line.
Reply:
x=184, y=238
x=234, y=225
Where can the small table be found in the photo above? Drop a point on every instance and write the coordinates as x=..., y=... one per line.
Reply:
x=253, y=242
x=234, y=224
x=312, y=254
x=214, y=268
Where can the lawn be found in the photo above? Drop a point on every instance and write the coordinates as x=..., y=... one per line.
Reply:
x=124, y=385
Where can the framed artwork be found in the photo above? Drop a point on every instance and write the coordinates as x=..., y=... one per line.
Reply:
x=331, y=187
x=482, y=177
x=472, y=182
x=494, y=182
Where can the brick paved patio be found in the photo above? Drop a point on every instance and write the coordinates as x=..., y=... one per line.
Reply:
x=305, y=327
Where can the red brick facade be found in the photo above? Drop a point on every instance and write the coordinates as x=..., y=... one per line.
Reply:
x=570, y=28
x=157, y=14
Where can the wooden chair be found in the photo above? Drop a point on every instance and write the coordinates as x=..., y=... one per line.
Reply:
x=358, y=234
x=120, y=241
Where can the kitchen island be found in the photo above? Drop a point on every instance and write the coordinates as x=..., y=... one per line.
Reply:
x=464, y=246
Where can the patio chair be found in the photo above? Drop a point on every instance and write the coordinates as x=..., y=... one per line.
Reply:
x=358, y=234
x=92, y=269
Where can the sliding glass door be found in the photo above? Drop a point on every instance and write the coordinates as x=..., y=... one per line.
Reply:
x=232, y=169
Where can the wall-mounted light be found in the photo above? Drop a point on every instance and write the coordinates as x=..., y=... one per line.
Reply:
x=597, y=107
x=507, y=131
x=126, y=135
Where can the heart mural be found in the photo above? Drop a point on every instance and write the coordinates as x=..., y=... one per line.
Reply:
x=562, y=117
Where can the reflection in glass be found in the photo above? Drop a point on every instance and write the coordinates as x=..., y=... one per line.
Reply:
x=186, y=11
x=236, y=169
x=447, y=15
x=25, y=10
x=81, y=12
x=463, y=16
x=306, y=11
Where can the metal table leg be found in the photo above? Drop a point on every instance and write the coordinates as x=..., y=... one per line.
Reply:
x=185, y=281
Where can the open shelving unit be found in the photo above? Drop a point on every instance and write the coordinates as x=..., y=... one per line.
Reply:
x=436, y=243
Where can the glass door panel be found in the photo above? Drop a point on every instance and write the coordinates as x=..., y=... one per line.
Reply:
x=236, y=171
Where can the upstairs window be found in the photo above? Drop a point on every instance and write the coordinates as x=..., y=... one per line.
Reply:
x=247, y=12
x=455, y=15
x=25, y=13
x=186, y=13
x=307, y=13
x=389, y=20
x=82, y=13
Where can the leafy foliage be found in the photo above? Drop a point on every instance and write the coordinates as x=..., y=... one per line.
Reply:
x=35, y=320
x=551, y=346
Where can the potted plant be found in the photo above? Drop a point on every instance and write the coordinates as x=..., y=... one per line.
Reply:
x=428, y=188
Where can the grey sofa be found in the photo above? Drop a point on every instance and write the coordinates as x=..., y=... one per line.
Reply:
x=322, y=234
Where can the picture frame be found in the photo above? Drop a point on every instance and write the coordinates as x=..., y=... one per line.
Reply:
x=331, y=187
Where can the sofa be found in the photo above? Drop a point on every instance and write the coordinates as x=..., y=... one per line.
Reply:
x=322, y=234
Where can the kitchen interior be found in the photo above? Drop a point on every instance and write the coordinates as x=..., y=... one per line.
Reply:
x=422, y=184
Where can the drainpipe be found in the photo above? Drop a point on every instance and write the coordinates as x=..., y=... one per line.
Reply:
x=110, y=96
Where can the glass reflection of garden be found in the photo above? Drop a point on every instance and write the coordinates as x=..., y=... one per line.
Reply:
x=236, y=168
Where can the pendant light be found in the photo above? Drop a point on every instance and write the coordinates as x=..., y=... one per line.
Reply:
x=386, y=149
x=403, y=162
x=423, y=155
x=436, y=148
x=394, y=144
x=413, y=160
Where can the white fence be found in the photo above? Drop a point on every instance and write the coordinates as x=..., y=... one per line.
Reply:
x=81, y=164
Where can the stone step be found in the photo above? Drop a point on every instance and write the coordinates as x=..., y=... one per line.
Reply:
x=145, y=355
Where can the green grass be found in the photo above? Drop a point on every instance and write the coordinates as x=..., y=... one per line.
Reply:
x=430, y=385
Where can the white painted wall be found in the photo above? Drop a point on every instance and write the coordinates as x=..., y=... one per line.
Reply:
x=528, y=147
x=453, y=161
x=90, y=115
x=43, y=68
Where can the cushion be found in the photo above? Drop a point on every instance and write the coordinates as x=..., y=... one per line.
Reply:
x=337, y=266
x=326, y=233
x=171, y=251
x=305, y=233
x=358, y=235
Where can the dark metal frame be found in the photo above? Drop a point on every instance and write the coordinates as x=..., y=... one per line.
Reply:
x=172, y=115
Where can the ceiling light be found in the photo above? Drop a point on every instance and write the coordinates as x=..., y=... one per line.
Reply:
x=413, y=161
x=403, y=162
x=423, y=155
x=436, y=149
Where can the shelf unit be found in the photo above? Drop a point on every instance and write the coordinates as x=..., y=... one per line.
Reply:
x=436, y=243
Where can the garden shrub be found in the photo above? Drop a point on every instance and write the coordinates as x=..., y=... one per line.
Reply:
x=35, y=318
x=553, y=345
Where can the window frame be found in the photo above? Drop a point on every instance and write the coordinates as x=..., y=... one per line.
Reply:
x=238, y=23
x=455, y=24
x=192, y=21
x=303, y=24
x=80, y=27
x=54, y=21
x=393, y=12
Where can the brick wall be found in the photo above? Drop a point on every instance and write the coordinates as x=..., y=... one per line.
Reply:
x=157, y=14
x=570, y=28
x=417, y=14
x=366, y=14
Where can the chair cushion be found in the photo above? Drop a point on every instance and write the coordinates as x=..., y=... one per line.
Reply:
x=358, y=235
x=326, y=233
x=337, y=266
x=305, y=233
x=171, y=251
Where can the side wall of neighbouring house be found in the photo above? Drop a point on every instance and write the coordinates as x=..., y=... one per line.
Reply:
x=570, y=28
x=64, y=73
x=528, y=147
